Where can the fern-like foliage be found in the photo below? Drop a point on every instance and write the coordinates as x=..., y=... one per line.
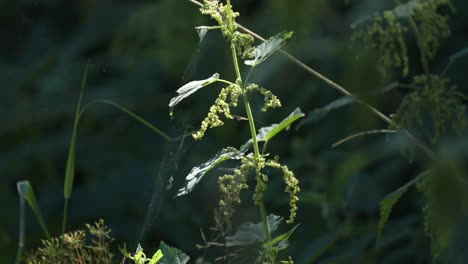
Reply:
x=75, y=247
x=434, y=110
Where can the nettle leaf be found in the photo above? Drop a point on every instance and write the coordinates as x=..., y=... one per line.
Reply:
x=446, y=208
x=386, y=205
x=280, y=242
x=319, y=113
x=191, y=87
x=268, y=47
x=267, y=133
x=249, y=233
x=156, y=257
x=197, y=173
x=172, y=255
x=406, y=9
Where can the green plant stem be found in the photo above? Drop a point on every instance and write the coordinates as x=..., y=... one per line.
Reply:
x=261, y=205
x=64, y=219
x=230, y=20
x=253, y=132
x=236, y=64
x=252, y=127
x=265, y=223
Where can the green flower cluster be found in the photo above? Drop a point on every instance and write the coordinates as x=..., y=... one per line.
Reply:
x=229, y=97
x=385, y=34
x=220, y=106
x=271, y=101
x=292, y=187
x=219, y=12
x=230, y=186
x=433, y=26
x=441, y=100
x=386, y=31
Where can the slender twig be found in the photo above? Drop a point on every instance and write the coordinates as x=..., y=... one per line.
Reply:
x=365, y=133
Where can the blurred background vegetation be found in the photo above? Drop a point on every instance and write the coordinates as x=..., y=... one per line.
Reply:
x=139, y=53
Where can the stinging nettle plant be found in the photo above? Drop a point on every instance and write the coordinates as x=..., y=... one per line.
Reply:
x=433, y=109
x=253, y=161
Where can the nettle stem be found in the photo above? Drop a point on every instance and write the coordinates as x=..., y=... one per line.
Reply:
x=253, y=132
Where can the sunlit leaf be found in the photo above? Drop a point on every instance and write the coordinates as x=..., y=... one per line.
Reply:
x=172, y=255
x=267, y=133
x=156, y=257
x=268, y=47
x=249, y=233
x=191, y=87
x=197, y=173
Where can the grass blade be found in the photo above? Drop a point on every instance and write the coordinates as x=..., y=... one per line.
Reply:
x=21, y=192
x=26, y=193
x=365, y=133
x=70, y=168
x=130, y=113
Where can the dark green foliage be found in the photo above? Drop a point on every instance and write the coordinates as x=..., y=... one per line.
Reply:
x=140, y=52
x=446, y=193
